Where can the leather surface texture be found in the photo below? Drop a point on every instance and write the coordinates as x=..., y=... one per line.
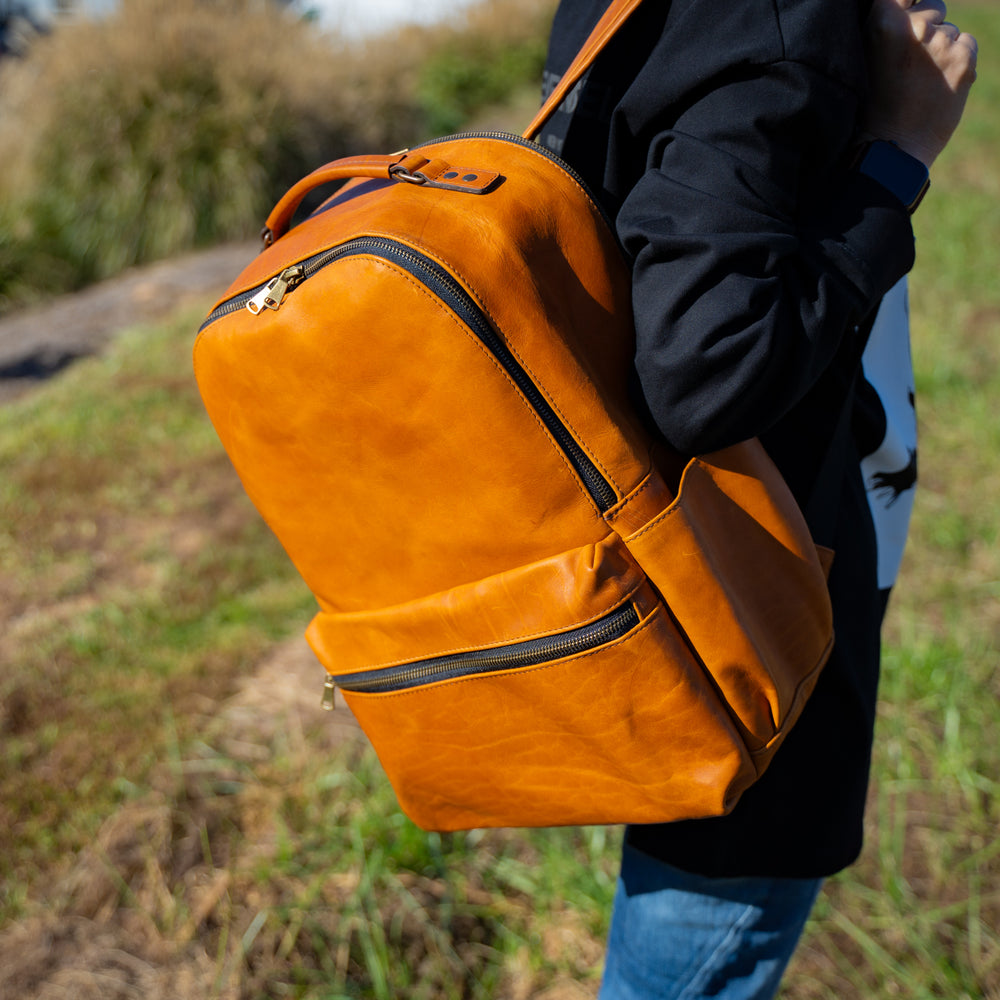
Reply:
x=437, y=512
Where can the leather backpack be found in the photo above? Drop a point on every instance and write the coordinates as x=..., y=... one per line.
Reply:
x=538, y=613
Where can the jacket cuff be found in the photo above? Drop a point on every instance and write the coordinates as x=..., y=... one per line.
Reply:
x=875, y=246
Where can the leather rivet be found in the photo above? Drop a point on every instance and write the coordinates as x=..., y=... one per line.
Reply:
x=469, y=177
x=451, y=174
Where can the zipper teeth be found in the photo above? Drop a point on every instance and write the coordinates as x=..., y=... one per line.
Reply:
x=597, y=486
x=432, y=274
x=235, y=304
x=523, y=654
x=309, y=267
x=239, y=301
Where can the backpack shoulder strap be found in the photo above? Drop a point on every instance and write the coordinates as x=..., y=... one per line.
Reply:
x=612, y=19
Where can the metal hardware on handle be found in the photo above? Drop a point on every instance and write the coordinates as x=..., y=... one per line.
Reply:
x=402, y=174
x=339, y=170
x=446, y=177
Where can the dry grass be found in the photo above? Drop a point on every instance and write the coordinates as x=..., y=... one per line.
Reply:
x=267, y=858
x=178, y=123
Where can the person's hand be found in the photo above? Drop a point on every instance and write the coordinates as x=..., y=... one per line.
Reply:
x=921, y=68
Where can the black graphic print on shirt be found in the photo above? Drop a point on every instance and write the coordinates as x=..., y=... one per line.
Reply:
x=889, y=464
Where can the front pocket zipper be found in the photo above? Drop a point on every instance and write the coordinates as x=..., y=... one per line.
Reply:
x=529, y=653
x=441, y=284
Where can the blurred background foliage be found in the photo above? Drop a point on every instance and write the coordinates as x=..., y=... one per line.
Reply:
x=172, y=124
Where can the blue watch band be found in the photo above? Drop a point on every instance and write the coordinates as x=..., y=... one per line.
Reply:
x=901, y=174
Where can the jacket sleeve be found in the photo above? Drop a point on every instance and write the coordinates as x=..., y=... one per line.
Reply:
x=756, y=250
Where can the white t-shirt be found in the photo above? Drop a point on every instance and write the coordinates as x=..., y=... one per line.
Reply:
x=890, y=472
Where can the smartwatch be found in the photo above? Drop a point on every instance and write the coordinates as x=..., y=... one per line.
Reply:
x=901, y=174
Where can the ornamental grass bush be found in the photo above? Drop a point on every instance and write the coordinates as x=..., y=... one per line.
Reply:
x=172, y=124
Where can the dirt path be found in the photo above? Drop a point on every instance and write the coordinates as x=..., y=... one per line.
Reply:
x=79, y=939
x=93, y=941
x=37, y=343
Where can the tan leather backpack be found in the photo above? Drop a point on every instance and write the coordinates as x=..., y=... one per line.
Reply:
x=538, y=614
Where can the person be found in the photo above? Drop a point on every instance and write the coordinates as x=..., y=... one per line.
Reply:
x=761, y=161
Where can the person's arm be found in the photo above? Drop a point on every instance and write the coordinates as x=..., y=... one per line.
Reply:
x=747, y=273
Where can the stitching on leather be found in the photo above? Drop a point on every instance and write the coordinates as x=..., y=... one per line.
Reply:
x=496, y=364
x=548, y=397
x=554, y=404
x=628, y=500
x=796, y=702
x=519, y=671
x=520, y=358
x=409, y=240
x=540, y=634
x=672, y=509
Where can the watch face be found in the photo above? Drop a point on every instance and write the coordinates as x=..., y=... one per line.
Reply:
x=904, y=175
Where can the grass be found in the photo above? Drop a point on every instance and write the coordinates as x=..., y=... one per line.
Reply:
x=133, y=576
x=166, y=827
x=919, y=915
x=139, y=589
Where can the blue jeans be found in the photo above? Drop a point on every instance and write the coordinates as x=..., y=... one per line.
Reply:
x=676, y=936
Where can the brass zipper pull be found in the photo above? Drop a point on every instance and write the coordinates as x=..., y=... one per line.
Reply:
x=329, y=701
x=271, y=295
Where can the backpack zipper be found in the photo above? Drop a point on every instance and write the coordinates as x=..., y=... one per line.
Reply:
x=261, y=292
x=440, y=283
x=529, y=653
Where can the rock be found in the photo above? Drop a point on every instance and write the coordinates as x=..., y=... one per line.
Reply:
x=39, y=342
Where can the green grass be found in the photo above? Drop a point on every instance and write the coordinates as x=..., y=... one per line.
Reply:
x=461, y=910
x=133, y=575
x=919, y=915
x=138, y=589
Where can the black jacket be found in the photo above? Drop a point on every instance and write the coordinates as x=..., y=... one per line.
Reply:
x=720, y=137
